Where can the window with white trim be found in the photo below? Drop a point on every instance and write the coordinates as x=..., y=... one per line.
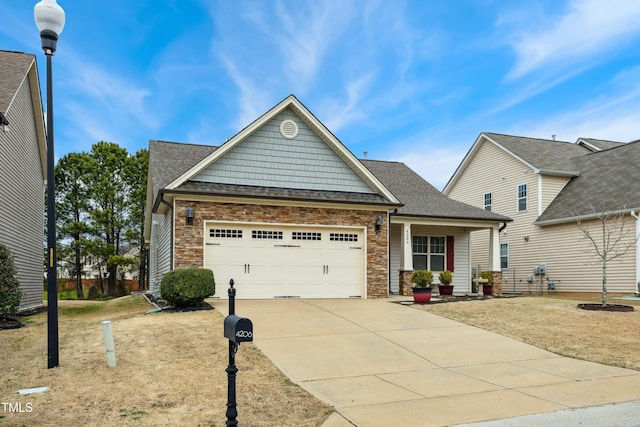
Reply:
x=504, y=255
x=522, y=197
x=488, y=201
x=429, y=253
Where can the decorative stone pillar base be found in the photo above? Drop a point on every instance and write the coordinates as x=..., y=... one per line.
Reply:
x=497, y=282
x=406, y=286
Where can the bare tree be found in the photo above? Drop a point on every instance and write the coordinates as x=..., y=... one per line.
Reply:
x=610, y=239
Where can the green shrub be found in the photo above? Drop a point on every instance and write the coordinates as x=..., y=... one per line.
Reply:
x=422, y=278
x=10, y=293
x=486, y=275
x=187, y=287
x=446, y=277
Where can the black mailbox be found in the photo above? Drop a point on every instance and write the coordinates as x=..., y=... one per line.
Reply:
x=238, y=329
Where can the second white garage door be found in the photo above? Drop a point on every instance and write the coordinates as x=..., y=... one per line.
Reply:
x=281, y=261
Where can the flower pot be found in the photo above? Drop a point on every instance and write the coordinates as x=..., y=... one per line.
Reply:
x=445, y=289
x=421, y=295
x=487, y=290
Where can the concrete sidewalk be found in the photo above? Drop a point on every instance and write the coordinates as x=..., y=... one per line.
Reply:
x=383, y=364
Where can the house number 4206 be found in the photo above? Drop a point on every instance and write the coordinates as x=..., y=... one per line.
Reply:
x=244, y=334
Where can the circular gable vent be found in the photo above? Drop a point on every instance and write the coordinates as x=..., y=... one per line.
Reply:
x=289, y=129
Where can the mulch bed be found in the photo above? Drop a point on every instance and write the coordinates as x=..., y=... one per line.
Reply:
x=608, y=307
x=10, y=322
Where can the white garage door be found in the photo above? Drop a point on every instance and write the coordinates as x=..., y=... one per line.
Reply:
x=267, y=261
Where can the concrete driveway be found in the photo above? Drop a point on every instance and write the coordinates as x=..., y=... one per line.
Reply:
x=383, y=364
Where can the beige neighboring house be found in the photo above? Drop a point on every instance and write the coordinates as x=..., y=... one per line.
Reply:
x=22, y=171
x=547, y=186
x=287, y=211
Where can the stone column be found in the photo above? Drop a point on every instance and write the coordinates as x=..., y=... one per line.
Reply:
x=496, y=278
x=406, y=286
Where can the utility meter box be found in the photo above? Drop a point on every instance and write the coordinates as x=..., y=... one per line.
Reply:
x=238, y=329
x=540, y=269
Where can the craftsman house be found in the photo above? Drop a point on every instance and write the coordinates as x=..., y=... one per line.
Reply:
x=550, y=187
x=287, y=211
x=22, y=171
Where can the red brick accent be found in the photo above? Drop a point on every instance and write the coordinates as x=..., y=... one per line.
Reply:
x=189, y=239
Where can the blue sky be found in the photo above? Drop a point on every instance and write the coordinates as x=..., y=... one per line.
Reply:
x=413, y=81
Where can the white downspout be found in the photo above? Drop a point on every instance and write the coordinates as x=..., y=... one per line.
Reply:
x=633, y=214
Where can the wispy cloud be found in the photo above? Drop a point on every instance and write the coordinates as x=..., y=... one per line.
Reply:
x=614, y=114
x=353, y=58
x=586, y=31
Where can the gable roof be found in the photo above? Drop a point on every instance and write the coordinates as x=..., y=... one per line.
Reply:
x=168, y=160
x=290, y=102
x=422, y=199
x=609, y=181
x=598, y=144
x=544, y=156
x=16, y=68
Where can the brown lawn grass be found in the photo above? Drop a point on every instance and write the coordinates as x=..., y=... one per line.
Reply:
x=170, y=371
x=554, y=323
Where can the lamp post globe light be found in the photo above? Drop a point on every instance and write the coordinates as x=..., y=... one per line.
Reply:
x=50, y=18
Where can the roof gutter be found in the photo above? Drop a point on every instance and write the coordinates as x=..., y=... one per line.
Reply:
x=504, y=225
x=577, y=218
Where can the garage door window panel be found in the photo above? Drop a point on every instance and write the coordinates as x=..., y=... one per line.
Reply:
x=225, y=233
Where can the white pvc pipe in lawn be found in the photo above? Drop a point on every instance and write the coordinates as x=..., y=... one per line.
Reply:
x=109, y=346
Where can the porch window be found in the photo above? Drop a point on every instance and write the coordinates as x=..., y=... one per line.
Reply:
x=429, y=253
x=522, y=197
x=487, y=201
x=504, y=255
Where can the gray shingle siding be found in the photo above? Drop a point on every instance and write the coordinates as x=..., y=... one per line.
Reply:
x=22, y=197
x=268, y=159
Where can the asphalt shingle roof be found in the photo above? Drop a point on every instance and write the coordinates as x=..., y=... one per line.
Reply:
x=421, y=198
x=14, y=66
x=603, y=144
x=547, y=155
x=169, y=160
x=609, y=180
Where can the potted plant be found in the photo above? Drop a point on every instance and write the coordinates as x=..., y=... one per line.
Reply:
x=422, y=289
x=445, y=287
x=486, y=278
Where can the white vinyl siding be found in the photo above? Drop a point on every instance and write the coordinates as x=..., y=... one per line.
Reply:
x=160, y=252
x=268, y=159
x=396, y=234
x=22, y=197
x=567, y=254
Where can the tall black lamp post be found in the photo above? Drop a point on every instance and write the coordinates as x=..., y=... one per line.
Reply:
x=50, y=19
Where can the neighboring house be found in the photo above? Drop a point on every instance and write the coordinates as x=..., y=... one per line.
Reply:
x=546, y=186
x=286, y=210
x=22, y=171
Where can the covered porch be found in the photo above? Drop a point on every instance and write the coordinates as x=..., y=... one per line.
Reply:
x=438, y=244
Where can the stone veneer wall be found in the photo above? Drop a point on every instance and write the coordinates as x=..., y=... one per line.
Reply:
x=497, y=282
x=189, y=239
x=406, y=285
